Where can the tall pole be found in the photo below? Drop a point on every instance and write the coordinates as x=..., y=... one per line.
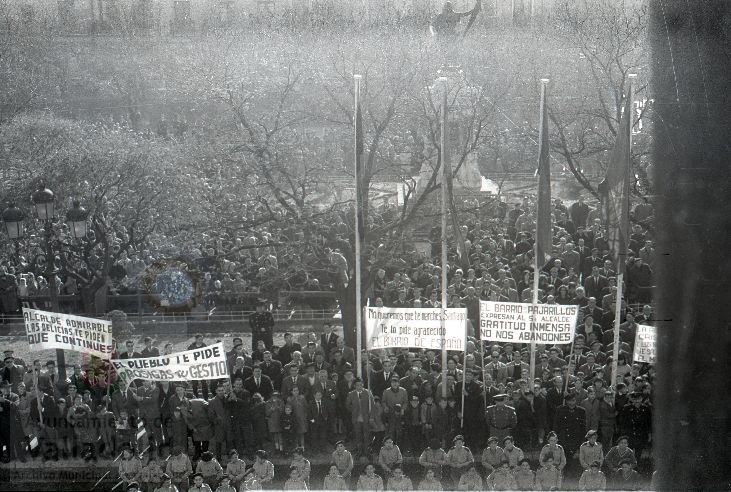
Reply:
x=358, y=198
x=443, y=81
x=620, y=276
x=544, y=83
x=50, y=275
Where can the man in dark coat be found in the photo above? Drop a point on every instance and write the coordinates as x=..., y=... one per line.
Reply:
x=259, y=383
x=48, y=418
x=271, y=368
x=635, y=421
x=262, y=325
x=531, y=415
x=570, y=425
x=11, y=433
x=286, y=350
x=473, y=410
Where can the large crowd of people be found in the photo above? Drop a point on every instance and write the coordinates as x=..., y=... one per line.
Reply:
x=495, y=429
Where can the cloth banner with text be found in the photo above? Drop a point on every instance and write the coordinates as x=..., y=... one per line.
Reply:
x=415, y=328
x=47, y=330
x=645, y=344
x=519, y=322
x=202, y=363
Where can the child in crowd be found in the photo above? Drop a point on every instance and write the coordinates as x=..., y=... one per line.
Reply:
x=412, y=418
x=548, y=477
x=106, y=426
x=299, y=411
x=150, y=476
x=294, y=482
x=378, y=428
x=258, y=420
x=525, y=478
x=274, y=408
x=123, y=430
x=289, y=430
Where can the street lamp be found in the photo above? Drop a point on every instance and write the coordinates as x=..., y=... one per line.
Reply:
x=44, y=200
x=76, y=218
x=13, y=218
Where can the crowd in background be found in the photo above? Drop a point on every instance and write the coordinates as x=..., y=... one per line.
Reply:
x=495, y=427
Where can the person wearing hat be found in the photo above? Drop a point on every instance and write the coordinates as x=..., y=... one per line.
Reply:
x=593, y=478
x=179, y=468
x=635, y=421
x=459, y=458
x=492, y=455
x=262, y=325
x=590, y=451
x=501, y=418
x=342, y=460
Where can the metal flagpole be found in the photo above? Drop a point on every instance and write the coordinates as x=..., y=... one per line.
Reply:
x=358, y=182
x=464, y=371
x=544, y=83
x=443, y=153
x=482, y=356
x=620, y=259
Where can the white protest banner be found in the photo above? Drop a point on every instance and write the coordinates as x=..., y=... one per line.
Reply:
x=519, y=322
x=46, y=330
x=645, y=344
x=201, y=363
x=415, y=327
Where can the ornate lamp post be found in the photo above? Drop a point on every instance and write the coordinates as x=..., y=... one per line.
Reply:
x=45, y=205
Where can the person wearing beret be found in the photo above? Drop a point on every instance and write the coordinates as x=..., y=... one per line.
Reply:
x=590, y=452
x=492, y=455
x=459, y=458
x=593, y=478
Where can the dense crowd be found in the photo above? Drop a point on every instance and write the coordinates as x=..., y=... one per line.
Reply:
x=494, y=429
